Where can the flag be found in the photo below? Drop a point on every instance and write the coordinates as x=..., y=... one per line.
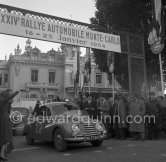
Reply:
x=110, y=61
x=83, y=89
x=162, y=31
x=88, y=67
x=85, y=78
x=78, y=68
x=75, y=88
x=156, y=22
x=82, y=83
x=88, y=63
x=156, y=29
x=76, y=79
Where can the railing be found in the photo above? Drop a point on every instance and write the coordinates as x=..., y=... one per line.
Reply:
x=58, y=58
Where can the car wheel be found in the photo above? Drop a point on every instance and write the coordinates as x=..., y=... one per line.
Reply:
x=59, y=142
x=97, y=143
x=29, y=140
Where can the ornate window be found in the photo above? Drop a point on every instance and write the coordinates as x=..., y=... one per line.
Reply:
x=98, y=78
x=51, y=77
x=35, y=52
x=52, y=58
x=6, y=79
x=51, y=55
x=0, y=79
x=34, y=75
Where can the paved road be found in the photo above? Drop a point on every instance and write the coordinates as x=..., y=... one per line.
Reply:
x=110, y=151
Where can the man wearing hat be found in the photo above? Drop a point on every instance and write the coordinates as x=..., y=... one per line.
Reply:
x=119, y=117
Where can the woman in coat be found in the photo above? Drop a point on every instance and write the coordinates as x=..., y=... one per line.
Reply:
x=5, y=123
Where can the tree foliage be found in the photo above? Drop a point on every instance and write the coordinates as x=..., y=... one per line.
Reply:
x=132, y=16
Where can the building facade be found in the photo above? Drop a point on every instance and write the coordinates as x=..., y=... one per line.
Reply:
x=47, y=75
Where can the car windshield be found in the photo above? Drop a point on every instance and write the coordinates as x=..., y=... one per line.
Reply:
x=67, y=109
x=19, y=109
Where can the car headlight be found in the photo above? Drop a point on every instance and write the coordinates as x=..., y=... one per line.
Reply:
x=76, y=129
x=99, y=127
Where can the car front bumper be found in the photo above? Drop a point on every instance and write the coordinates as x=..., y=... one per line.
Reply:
x=85, y=138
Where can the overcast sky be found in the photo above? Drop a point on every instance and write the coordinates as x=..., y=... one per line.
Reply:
x=79, y=10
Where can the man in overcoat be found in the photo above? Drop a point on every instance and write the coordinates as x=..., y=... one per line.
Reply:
x=119, y=117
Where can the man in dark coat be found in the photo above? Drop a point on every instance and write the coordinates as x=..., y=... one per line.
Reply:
x=153, y=111
x=90, y=107
x=105, y=111
x=119, y=117
x=80, y=102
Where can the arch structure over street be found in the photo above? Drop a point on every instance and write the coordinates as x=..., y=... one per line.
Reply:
x=29, y=24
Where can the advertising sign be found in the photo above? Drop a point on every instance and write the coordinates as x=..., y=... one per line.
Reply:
x=23, y=26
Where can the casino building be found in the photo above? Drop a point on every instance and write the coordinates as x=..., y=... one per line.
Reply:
x=36, y=74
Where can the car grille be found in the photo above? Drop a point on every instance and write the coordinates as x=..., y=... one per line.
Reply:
x=89, y=129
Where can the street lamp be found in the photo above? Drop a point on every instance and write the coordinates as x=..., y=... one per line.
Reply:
x=111, y=68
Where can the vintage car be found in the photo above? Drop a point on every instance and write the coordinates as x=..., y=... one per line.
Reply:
x=19, y=119
x=63, y=123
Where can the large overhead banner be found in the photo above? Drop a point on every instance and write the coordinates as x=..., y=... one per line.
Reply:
x=23, y=26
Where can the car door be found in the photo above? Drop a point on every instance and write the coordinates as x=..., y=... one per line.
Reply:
x=48, y=120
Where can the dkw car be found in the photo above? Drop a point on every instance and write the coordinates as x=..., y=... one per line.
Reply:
x=19, y=117
x=63, y=123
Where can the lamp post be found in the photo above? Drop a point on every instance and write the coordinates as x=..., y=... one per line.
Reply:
x=89, y=79
x=161, y=74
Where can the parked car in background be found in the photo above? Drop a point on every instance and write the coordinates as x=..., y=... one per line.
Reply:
x=63, y=123
x=19, y=117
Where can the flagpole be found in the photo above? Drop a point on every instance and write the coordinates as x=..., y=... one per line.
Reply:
x=161, y=74
x=113, y=86
x=89, y=83
x=89, y=67
x=157, y=30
